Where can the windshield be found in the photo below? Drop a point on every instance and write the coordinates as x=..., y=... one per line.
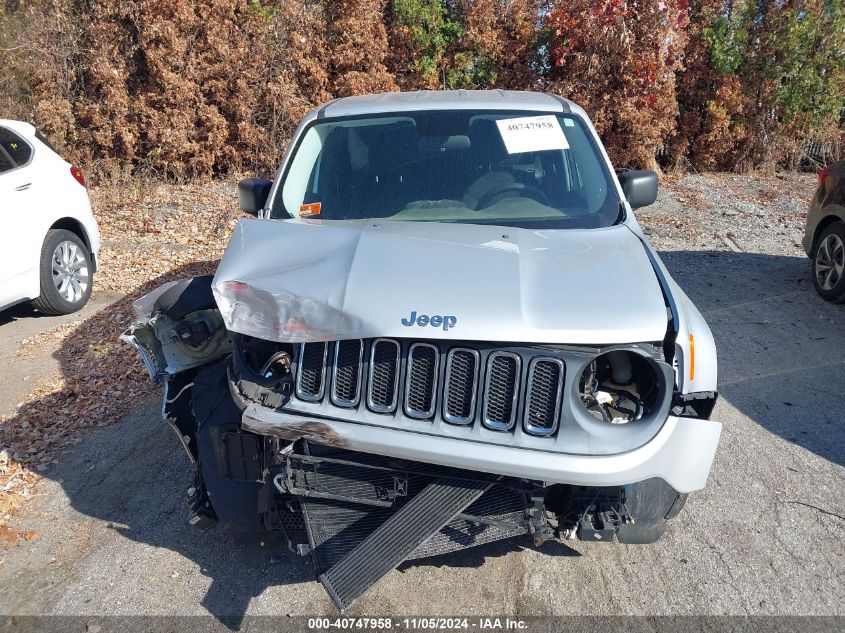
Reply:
x=504, y=168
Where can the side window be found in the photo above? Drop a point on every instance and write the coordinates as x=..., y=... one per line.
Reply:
x=17, y=149
x=5, y=162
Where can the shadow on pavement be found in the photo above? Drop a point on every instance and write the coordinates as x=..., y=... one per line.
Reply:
x=781, y=347
x=780, y=363
x=22, y=310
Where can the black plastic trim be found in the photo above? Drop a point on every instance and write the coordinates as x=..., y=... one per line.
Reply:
x=187, y=296
x=671, y=337
x=563, y=102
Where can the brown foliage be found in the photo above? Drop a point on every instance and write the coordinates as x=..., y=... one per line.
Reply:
x=618, y=60
x=506, y=31
x=712, y=131
x=358, y=40
x=180, y=90
x=762, y=81
x=189, y=89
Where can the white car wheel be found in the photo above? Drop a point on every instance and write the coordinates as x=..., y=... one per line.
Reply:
x=71, y=273
x=66, y=273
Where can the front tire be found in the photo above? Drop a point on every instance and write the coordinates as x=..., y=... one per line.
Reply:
x=829, y=263
x=66, y=273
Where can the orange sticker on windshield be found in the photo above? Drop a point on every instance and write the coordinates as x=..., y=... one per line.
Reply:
x=306, y=210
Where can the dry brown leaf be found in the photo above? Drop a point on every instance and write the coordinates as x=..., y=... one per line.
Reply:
x=10, y=536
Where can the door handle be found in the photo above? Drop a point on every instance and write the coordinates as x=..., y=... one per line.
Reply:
x=23, y=187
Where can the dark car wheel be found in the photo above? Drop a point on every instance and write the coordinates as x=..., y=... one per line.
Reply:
x=66, y=273
x=829, y=263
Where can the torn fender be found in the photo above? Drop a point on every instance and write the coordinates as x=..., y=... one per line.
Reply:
x=178, y=328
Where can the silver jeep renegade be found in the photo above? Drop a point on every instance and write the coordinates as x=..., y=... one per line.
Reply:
x=445, y=328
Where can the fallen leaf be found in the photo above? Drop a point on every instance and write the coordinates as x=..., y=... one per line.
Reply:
x=8, y=535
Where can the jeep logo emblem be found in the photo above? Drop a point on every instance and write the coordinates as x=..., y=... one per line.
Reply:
x=435, y=320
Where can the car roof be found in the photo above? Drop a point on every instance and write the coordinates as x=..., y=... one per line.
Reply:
x=21, y=127
x=446, y=100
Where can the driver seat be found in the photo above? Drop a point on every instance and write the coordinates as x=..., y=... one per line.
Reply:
x=487, y=183
x=489, y=154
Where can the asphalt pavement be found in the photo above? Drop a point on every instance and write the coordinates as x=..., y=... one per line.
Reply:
x=23, y=371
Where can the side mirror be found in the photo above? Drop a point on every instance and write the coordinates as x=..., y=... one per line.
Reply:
x=639, y=187
x=252, y=194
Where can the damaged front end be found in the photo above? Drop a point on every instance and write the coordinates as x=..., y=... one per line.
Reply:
x=364, y=453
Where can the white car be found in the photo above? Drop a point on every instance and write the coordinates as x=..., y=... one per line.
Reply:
x=49, y=241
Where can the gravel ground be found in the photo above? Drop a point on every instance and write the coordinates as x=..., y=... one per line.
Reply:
x=765, y=537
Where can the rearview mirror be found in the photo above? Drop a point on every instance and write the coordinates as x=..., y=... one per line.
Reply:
x=454, y=143
x=252, y=194
x=639, y=187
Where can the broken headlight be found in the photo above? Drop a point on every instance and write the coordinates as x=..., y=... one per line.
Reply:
x=260, y=372
x=266, y=359
x=620, y=387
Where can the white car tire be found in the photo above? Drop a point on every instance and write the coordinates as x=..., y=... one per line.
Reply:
x=66, y=273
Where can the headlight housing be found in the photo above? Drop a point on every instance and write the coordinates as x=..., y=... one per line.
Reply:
x=621, y=387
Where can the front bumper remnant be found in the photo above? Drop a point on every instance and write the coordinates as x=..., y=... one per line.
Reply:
x=680, y=454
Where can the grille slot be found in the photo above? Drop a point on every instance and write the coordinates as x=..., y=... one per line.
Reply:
x=421, y=380
x=311, y=371
x=384, y=376
x=346, y=372
x=501, y=390
x=542, y=406
x=460, y=387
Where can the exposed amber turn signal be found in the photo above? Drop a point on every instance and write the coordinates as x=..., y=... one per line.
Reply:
x=691, y=357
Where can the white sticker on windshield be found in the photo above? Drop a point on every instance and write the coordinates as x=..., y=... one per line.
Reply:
x=532, y=134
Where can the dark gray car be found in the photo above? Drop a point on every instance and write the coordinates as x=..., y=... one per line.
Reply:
x=824, y=234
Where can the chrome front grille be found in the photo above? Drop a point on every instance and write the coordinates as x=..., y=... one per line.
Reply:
x=420, y=387
x=542, y=407
x=501, y=390
x=311, y=373
x=346, y=379
x=460, y=386
x=465, y=384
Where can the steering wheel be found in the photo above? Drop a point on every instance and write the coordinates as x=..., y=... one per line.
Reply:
x=508, y=189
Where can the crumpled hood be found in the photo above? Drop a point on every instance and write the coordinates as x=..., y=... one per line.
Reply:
x=301, y=281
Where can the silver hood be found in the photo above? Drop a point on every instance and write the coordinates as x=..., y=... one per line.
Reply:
x=300, y=281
